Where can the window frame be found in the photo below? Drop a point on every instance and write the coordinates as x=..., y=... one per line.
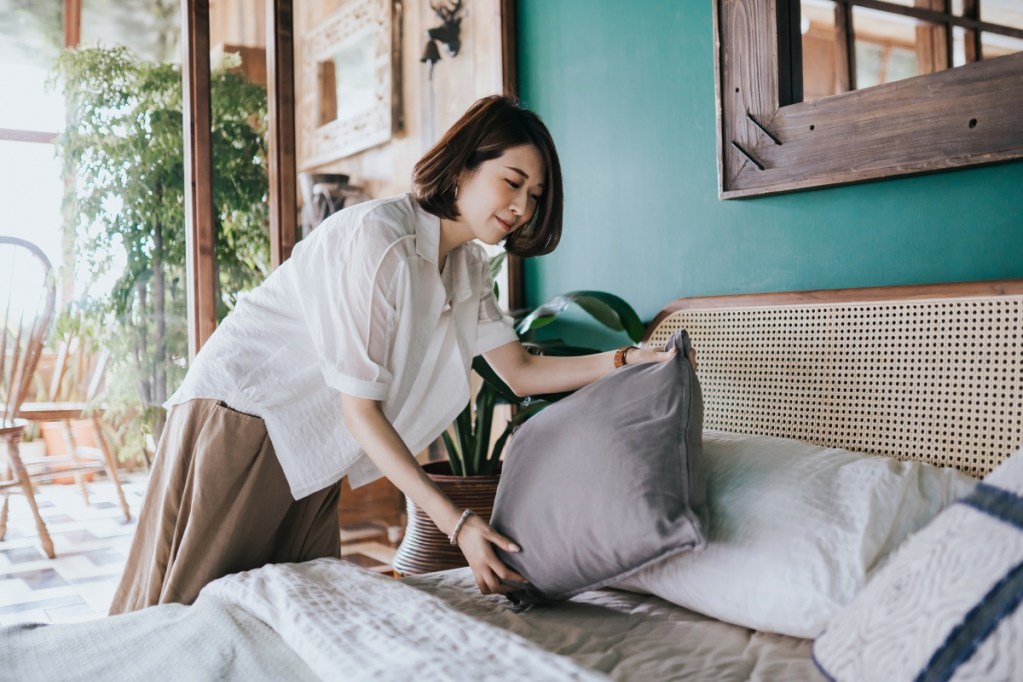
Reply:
x=959, y=117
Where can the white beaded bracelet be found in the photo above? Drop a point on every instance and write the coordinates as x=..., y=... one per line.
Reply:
x=453, y=537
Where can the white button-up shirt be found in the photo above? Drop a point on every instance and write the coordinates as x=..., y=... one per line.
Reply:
x=360, y=308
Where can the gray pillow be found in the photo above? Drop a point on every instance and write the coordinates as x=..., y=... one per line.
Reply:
x=606, y=481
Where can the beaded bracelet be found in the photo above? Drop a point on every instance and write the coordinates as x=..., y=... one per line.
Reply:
x=453, y=537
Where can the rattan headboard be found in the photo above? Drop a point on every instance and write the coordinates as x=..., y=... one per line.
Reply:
x=930, y=373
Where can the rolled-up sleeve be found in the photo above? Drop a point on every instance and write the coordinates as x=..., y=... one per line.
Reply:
x=350, y=313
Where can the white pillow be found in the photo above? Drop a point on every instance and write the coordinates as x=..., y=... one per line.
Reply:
x=795, y=530
x=947, y=606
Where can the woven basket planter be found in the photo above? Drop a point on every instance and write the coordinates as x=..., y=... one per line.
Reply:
x=424, y=548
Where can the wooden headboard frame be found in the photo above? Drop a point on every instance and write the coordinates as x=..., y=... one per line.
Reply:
x=931, y=373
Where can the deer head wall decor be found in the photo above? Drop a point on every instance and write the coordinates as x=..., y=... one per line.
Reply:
x=447, y=33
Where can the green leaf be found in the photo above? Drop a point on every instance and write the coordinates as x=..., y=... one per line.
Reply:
x=495, y=455
x=457, y=465
x=463, y=431
x=496, y=263
x=484, y=420
x=528, y=410
x=543, y=315
x=490, y=377
x=609, y=310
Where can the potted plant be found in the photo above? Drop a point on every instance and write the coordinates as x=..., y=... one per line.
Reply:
x=471, y=473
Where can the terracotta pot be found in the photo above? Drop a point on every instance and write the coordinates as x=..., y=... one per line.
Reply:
x=425, y=549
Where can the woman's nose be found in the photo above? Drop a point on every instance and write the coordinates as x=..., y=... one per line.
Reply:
x=518, y=205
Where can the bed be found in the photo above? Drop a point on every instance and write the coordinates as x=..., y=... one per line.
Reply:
x=926, y=377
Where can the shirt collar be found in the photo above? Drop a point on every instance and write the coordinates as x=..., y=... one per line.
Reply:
x=428, y=248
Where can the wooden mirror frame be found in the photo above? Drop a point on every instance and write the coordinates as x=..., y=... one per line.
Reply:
x=958, y=117
x=326, y=142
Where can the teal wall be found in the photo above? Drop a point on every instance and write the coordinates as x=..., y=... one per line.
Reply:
x=627, y=89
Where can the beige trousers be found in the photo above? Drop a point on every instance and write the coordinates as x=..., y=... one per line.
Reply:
x=218, y=503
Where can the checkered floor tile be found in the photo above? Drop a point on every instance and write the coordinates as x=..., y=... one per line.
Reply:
x=92, y=542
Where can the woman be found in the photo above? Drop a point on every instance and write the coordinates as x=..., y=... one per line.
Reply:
x=350, y=357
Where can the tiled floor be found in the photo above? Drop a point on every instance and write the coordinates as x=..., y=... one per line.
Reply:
x=92, y=543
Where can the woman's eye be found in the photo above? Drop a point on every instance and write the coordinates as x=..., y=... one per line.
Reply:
x=513, y=184
x=535, y=197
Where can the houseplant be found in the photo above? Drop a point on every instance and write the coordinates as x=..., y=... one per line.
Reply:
x=123, y=155
x=471, y=473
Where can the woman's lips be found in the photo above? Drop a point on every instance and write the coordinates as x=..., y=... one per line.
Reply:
x=506, y=225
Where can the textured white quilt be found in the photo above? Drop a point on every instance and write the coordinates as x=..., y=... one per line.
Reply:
x=324, y=619
x=349, y=623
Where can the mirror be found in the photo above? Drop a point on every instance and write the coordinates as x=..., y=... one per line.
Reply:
x=771, y=140
x=847, y=46
x=353, y=58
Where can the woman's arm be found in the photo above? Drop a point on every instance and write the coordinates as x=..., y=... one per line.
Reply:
x=528, y=374
x=366, y=421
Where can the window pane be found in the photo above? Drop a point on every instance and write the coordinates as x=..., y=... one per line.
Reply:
x=890, y=47
x=31, y=34
x=30, y=192
x=241, y=184
x=820, y=49
x=1002, y=12
x=959, y=46
x=994, y=45
x=128, y=224
x=35, y=107
x=150, y=30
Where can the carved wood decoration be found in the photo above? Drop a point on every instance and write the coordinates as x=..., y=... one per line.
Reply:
x=324, y=137
x=958, y=117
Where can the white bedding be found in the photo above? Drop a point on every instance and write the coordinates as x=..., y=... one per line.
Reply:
x=333, y=620
x=629, y=636
x=349, y=623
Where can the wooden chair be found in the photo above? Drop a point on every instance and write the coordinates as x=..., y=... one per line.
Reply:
x=78, y=460
x=27, y=297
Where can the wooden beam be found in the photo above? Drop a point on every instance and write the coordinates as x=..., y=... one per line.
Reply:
x=932, y=53
x=509, y=48
x=72, y=37
x=971, y=38
x=72, y=23
x=846, y=46
x=199, y=259
x=281, y=161
x=514, y=265
x=17, y=135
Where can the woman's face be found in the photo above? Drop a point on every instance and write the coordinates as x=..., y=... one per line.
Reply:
x=502, y=194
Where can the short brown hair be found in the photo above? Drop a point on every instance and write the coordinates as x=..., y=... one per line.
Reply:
x=490, y=126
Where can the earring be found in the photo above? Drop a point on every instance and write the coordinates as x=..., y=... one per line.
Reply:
x=456, y=191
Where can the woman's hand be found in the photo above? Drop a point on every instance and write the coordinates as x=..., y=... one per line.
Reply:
x=474, y=539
